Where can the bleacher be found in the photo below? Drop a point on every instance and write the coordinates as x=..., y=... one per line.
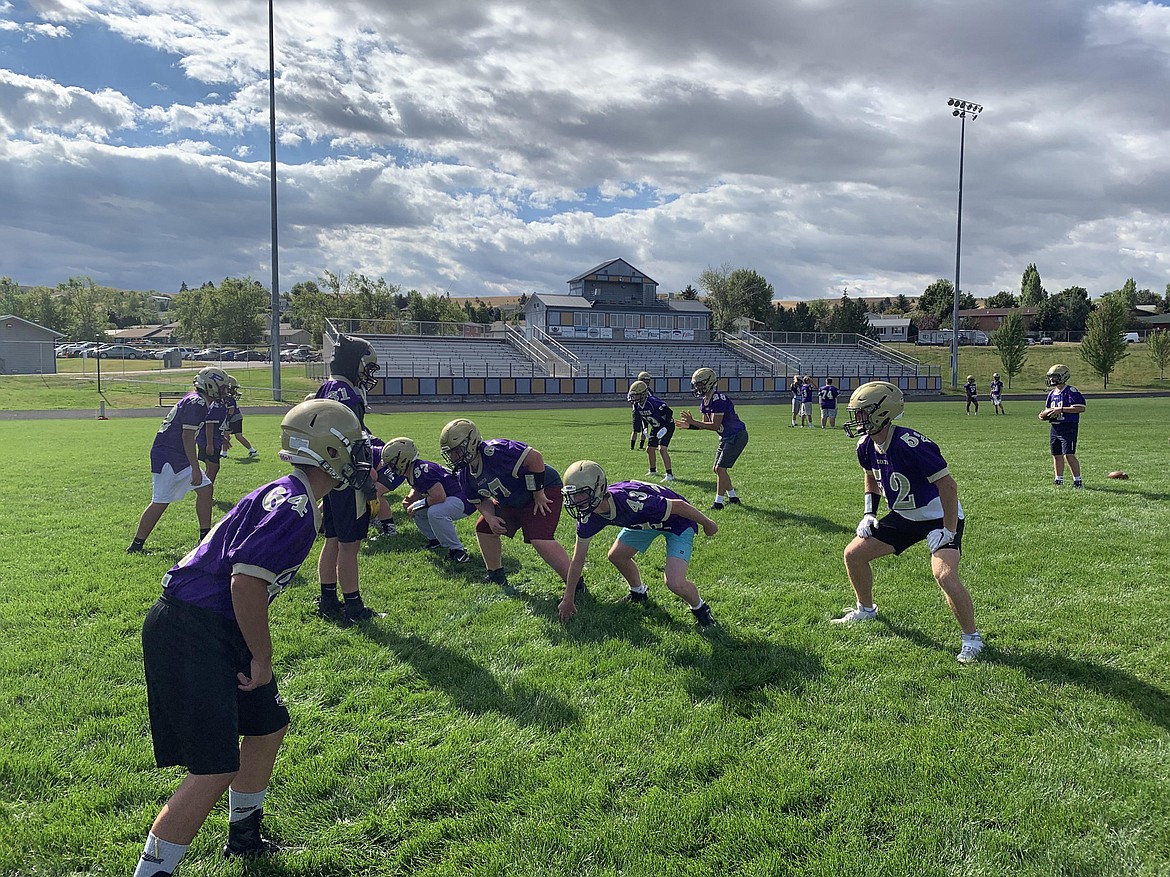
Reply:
x=826, y=359
x=624, y=359
x=405, y=356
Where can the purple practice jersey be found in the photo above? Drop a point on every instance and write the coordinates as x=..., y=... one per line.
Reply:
x=386, y=478
x=655, y=413
x=267, y=535
x=806, y=393
x=499, y=476
x=995, y=388
x=427, y=474
x=971, y=389
x=829, y=394
x=217, y=416
x=1058, y=398
x=637, y=506
x=188, y=413
x=344, y=392
x=720, y=404
x=907, y=469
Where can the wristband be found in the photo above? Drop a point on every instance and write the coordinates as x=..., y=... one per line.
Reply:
x=692, y=425
x=871, y=503
x=534, y=481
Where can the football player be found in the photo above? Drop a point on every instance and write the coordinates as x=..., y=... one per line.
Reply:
x=644, y=512
x=435, y=501
x=235, y=428
x=207, y=647
x=174, y=459
x=513, y=489
x=209, y=439
x=806, y=402
x=385, y=482
x=909, y=470
x=719, y=415
x=353, y=367
x=972, y=394
x=797, y=390
x=828, y=395
x=638, y=429
x=1063, y=408
x=995, y=388
x=658, y=419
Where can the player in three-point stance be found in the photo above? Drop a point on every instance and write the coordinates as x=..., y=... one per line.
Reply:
x=657, y=419
x=174, y=458
x=1063, y=408
x=346, y=512
x=909, y=470
x=207, y=648
x=513, y=489
x=995, y=388
x=435, y=501
x=719, y=415
x=644, y=512
x=972, y=392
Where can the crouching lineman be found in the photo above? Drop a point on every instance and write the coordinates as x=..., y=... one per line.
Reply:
x=434, y=502
x=207, y=647
x=923, y=498
x=644, y=512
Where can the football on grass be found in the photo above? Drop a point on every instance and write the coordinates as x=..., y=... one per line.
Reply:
x=1118, y=474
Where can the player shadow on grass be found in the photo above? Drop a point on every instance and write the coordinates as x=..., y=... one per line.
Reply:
x=1145, y=494
x=1150, y=701
x=470, y=686
x=816, y=522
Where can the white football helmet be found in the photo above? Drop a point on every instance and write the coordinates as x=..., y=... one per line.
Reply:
x=995, y=377
x=326, y=434
x=232, y=393
x=639, y=392
x=584, y=488
x=1057, y=375
x=459, y=442
x=398, y=454
x=872, y=406
x=703, y=381
x=212, y=383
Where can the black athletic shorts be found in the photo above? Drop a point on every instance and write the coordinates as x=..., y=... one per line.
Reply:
x=340, y=519
x=236, y=425
x=1062, y=438
x=730, y=448
x=655, y=442
x=901, y=533
x=197, y=711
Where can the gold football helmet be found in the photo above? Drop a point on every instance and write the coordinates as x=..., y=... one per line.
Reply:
x=326, y=434
x=584, y=488
x=872, y=406
x=398, y=454
x=645, y=376
x=970, y=378
x=232, y=393
x=212, y=382
x=639, y=392
x=703, y=381
x=459, y=442
x=1057, y=375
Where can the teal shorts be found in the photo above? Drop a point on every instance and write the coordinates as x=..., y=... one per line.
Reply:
x=676, y=546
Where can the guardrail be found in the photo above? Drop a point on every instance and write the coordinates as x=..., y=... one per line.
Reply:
x=781, y=362
x=896, y=356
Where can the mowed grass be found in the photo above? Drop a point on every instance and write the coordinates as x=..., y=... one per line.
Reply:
x=472, y=733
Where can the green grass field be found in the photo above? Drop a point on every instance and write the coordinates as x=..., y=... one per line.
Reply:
x=471, y=733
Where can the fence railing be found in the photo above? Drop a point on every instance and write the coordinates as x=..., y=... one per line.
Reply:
x=896, y=356
x=556, y=347
x=746, y=344
x=411, y=327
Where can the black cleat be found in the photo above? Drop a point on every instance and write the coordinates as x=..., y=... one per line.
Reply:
x=580, y=589
x=433, y=544
x=245, y=840
x=716, y=506
x=329, y=610
x=458, y=555
x=497, y=577
x=136, y=547
x=359, y=616
x=634, y=597
x=734, y=500
x=703, y=617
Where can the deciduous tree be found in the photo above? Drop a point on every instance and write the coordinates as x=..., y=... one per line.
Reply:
x=1012, y=345
x=1104, y=344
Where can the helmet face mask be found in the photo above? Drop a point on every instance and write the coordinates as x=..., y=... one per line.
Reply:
x=1057, y=375
x=639, y=392
x=398, y=454
x=212, y=383
x=459, y=442
x=872, y=407
x=585, y=486
x=231, y=392
x=703, y=382
x=325, y=434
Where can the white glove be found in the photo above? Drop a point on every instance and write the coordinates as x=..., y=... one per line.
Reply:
x=939, y=538
x=661, y=432
x=417, y=505
x=868, y=524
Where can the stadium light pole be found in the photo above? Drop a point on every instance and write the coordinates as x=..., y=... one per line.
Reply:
x=964, y=109
x=274, y=340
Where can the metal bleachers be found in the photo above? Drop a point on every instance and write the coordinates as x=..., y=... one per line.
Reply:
x=624, y=359
x=403, y=356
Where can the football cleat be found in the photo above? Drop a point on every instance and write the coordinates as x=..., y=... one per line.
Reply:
x=253, y=453
x=584, y=488
x=458, y=555
x=667, y=478
x=734, y=500
x=388, y=528
x=855, y=615
x=969, y=653
x=136, y=547
x=580, y=589
x=330, y=610
x=433, y=544
x=716, y=506
x=634, y=597
x=703, y=617
x=223, y=454
x=872, y=406
x=245, y=840
x=497, y=577
x=360, y=616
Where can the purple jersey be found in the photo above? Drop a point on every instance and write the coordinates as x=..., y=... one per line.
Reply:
x=720, y=404
x=907, y=469
x=655, y=414
x=427, y=474
x=1058, y=398
x=217, y=416
x=267, y=535
x=829, y=394
x=806, y=393
x=341, y=390
x=386, y=478
x=637, y=506
x=499, y=476
x=995, y=388
x=188, y=413
x=971, y=389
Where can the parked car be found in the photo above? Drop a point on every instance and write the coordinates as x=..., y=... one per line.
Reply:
x=1131, y=338
x=1045, y=340
x=208, y=354
x=252, y=356
x=119, y=351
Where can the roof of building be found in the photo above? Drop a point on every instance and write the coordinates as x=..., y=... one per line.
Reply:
x=686, y=304
x=620, y=264
x=561, y=301
x=7, y=317
x=887, y=320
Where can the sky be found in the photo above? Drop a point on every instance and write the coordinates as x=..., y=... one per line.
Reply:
x=494, y=148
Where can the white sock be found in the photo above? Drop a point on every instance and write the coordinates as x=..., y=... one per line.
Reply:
x=697, y=608
x=719, y=498
x=972, y=637
x=641, y=589
x=159, y=855
x=241, y=805
x=731, y=492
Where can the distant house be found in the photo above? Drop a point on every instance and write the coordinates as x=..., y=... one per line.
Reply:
x=288, y=335
x=27, y=348
x=890, y=328
x=989, y=319
x=156, y=334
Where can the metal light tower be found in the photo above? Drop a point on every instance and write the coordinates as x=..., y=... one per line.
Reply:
x=963, y=109
x=274, y=341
